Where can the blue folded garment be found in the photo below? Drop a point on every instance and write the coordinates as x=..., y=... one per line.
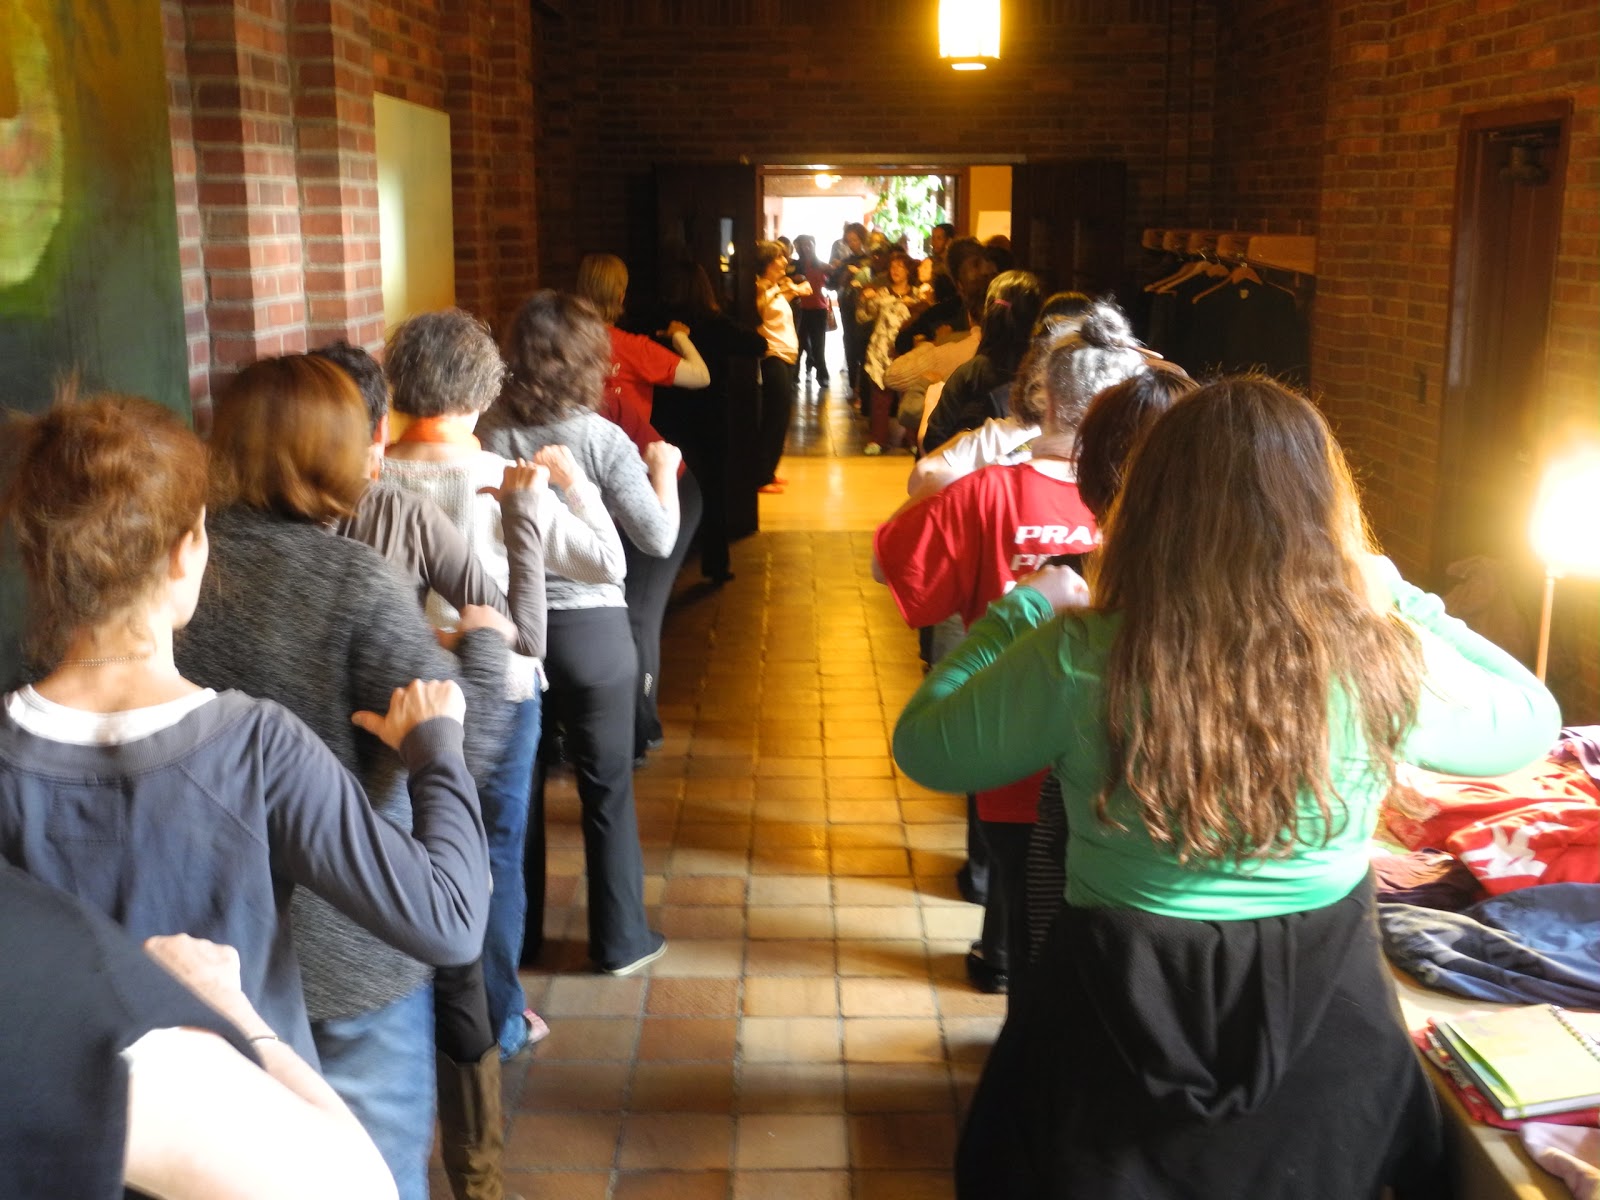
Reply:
x=1536, y=945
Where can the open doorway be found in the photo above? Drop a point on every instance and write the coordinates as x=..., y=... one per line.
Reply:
x=902, y=202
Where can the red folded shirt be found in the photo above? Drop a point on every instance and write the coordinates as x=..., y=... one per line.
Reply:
x=1436, y=806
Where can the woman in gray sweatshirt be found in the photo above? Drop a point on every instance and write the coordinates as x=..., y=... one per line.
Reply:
x=174, y=808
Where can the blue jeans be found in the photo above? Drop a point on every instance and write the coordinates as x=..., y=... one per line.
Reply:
x=381, y=1064
x=504, y=796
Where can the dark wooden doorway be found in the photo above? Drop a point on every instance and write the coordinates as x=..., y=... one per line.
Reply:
x=1068, y=223
x=709, y=212
x=1494, y=427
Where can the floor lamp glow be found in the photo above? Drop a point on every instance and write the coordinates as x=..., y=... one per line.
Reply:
x=1566, y=531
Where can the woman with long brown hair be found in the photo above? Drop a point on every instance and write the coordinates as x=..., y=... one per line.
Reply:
x=1209, y=1016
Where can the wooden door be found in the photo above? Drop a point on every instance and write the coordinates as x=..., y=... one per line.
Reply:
x=1493, y=433
x=710, y=213
x=1068, y=223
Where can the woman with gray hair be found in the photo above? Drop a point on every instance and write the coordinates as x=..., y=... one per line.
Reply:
x=445, y=369
x=957, y=550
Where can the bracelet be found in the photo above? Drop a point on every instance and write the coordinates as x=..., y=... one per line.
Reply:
x=265, y=1037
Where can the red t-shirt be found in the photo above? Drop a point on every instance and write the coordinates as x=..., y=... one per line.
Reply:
x=961, y=550
x=638, y=367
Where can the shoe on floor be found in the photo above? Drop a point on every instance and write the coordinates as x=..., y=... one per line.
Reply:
x=780, y=481
x=983, y=975
x=872, y=449
x=642, y=961
x=771, y=489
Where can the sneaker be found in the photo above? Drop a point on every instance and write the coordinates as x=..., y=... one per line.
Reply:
x=872, y=449
x=641, y=962
x=984, y=975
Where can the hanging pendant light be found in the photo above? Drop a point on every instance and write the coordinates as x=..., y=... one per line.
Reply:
x=969, y=33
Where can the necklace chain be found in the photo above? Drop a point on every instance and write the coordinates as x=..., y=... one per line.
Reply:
x=100, y=662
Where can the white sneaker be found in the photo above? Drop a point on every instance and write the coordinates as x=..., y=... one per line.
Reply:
x=638, y=963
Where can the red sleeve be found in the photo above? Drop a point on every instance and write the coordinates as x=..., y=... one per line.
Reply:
x=924, y=558
x=649, y=360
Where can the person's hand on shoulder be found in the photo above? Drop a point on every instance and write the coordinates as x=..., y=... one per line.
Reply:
x=520, y=476
x=662, y=458
x=419, y=701
x=1063, y=587
x=563, y=467
x=211, y=971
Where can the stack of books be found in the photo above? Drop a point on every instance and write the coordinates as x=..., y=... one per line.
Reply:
x=1539, y=1061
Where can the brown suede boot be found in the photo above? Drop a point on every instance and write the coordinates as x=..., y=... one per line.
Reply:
x=472, y=1129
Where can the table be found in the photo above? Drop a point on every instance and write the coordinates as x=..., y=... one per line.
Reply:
x=1491, y=1163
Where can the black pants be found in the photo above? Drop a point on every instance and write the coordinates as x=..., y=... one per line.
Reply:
x=649, y=586
x=461, y=1028
x=777, y=407
x=1005, y=926
x=813, y=331
x=593, y=676
x=698, y=426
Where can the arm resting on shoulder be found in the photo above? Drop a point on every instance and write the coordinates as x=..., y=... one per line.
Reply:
x=988, y=713
x=1481, y=712
x=204, y=1123
x=692, y=374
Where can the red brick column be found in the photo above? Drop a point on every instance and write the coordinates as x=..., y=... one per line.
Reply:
x=238, y=59
x=331, y=49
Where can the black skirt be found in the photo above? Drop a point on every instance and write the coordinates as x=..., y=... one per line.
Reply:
x=1155, y=1058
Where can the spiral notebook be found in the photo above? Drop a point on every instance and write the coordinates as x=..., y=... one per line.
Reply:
x=1529, y=1062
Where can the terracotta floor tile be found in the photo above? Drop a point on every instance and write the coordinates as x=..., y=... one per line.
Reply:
x=700, y=921
x=879, y=923
x=893, y=1040
x=701, y=959
x=692, y=998
x=806, y=835
x=791, y=1185
x=789, y=890
x=922, y=812
x=789, y=996
x=885, y=998
x=808, y=805
x=562, y=1140
x=788, y=768
x=567, y=1087
x=686, y=1039
x=692, y=860
x=789, y=860
x=897, y=1087
x=891, y=960
x=791, y=1141
x=861, y=812
x=867, y=837
x=857, y=892
x=791, y=1087
x=969, y=1038
x=953, y=923
x=676, y=1142
x=791, y=922
x=717, y=835
x=859, y=861
x=905, y=1185
x=789, y=1039
x=903, y=1140
x=790, y=957
x=593, y=996
x=676, y=1185
x=682, y=1087
x=702, y=889
x=590, y=1039
x=554, y=1185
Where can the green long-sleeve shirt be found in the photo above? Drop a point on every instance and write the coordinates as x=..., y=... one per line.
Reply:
x=1025, y=691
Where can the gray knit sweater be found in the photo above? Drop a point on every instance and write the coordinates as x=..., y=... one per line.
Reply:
x=613, y=463
x=292, y=612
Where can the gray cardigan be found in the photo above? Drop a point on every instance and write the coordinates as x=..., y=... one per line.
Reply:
x=613, y=463
x=292, y=612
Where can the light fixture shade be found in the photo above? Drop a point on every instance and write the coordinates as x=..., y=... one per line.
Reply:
x=969, y=32
x=1566, y=517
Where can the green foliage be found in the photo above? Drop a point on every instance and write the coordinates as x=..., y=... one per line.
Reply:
x=908, y=206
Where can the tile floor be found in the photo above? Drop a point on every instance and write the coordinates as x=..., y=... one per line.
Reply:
x=810, y=1034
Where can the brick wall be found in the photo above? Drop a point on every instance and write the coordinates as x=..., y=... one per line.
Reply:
x=274, y=159
x=1401, y=76
x=1271, y=98
x=625, y=85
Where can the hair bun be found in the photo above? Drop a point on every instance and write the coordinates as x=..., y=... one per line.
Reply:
x=1106, y=328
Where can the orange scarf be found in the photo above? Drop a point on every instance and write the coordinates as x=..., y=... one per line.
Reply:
x=443, y=430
